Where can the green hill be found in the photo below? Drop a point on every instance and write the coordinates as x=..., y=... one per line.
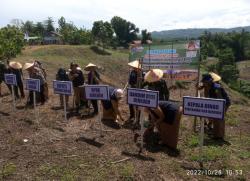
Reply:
x=193, y=32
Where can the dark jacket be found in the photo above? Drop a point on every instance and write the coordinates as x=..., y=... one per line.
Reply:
x=96, y=78
x=79, y=80
x=160, y=86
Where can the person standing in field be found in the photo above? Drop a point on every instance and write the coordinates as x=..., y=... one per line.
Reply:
x=93, y=79
x=16, y=68
x=77, y=78
x=35, y=73
x=2, y=71
x=62, y=75
x=134, y=81
x=213, y=89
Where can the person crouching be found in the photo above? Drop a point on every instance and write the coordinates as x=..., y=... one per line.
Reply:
x=166, y=118
x=111, y=109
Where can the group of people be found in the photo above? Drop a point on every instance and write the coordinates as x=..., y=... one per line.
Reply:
x=165, y=119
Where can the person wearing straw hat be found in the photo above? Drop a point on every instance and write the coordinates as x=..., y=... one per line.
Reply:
x=153, y=81
x=166, y=118
x=35, y=73
x=213, y=89
x=2, y=71
x=111, y=111
x=135, y=78
x=77, y=78
x=16, y=68
x=93, y=79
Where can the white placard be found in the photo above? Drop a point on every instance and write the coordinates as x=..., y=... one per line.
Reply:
x=33, y=84
x=62, y=87
x=204, y=107
x=10, y=79
x=96, y=92
x=143, y=97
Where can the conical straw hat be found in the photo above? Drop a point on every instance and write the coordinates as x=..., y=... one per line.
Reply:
x=135, y=64
x=153, y=75
x=27, y=65
x=15, y=65
x=215, y=77
x=90, y=66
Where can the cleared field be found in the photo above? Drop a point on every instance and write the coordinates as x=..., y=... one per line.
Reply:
x=74, y=150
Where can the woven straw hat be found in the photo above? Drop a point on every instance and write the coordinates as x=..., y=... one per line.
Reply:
x=153, y=75
x=135, y=64
x=28, y=65
x=15, y=65
x=90, y=66
x=215, y=77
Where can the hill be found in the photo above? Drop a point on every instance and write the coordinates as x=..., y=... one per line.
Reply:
x=55, y=149
x=193, y=32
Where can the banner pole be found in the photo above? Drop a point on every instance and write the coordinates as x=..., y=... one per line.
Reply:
x=197, y=94
x=142, y=130
x=100, y=117
x=65, y=107
x=13, y=97
x=201, y=142
x=34, y=102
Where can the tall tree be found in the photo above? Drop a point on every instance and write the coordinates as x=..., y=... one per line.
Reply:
x=125, y=31
x=28, y=27
x=145, y=36
x=49, y=25
x=102, y=32
x=39, y=29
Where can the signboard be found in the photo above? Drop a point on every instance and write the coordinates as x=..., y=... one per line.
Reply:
x=62, y=87
x=143, y=97
x=10, y=79
x=181, y=56
x=204, y=107
x=33, y=85
x=96, y=92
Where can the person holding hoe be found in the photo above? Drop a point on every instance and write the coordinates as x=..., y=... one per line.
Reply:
x=93, y=79
x=154, y=81
x=213, y=89
x=135, y=79
x=35, y=73
x=16, y=68
x=111, y=111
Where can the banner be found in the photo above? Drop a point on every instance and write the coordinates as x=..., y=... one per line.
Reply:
x=96, y=92
x=10, y=79
x=204, y=107
x=143, y=97
x=32, y=84
x=179, y=57
x=62, y=87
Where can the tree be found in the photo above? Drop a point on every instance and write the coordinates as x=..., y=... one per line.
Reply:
x=11, y=42
x=229, y=73
x=39, y=29
x=28, y=27
x=102, y=32
x=145, y=36
x=49, y=25
x=125, y=31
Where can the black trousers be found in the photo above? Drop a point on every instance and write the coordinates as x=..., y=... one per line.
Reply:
x=20, y=87
x=40, y=97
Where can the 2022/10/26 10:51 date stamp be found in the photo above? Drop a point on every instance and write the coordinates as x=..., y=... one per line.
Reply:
x=196, y=172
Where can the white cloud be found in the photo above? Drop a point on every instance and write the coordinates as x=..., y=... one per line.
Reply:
x=152, y=15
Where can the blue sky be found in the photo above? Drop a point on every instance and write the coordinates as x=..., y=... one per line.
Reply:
x=153, y=15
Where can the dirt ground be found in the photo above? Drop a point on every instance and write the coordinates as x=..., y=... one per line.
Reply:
x=54, y=149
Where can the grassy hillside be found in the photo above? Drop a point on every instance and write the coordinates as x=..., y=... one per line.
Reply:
x=56, y=149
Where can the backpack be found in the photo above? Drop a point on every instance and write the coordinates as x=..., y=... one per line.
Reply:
x=62, y=75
